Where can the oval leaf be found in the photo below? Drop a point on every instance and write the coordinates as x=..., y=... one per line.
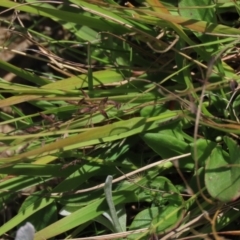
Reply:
x=222, y=175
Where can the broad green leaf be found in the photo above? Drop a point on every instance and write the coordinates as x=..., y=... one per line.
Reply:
x=150, y=111
x=167, y=144
x=162, y=216
x=204, y=149
x=198, y=9
x=222, y=175
x=166, y=211
x=163, y=144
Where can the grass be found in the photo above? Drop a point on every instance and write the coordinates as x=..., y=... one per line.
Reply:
x=120, y=120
